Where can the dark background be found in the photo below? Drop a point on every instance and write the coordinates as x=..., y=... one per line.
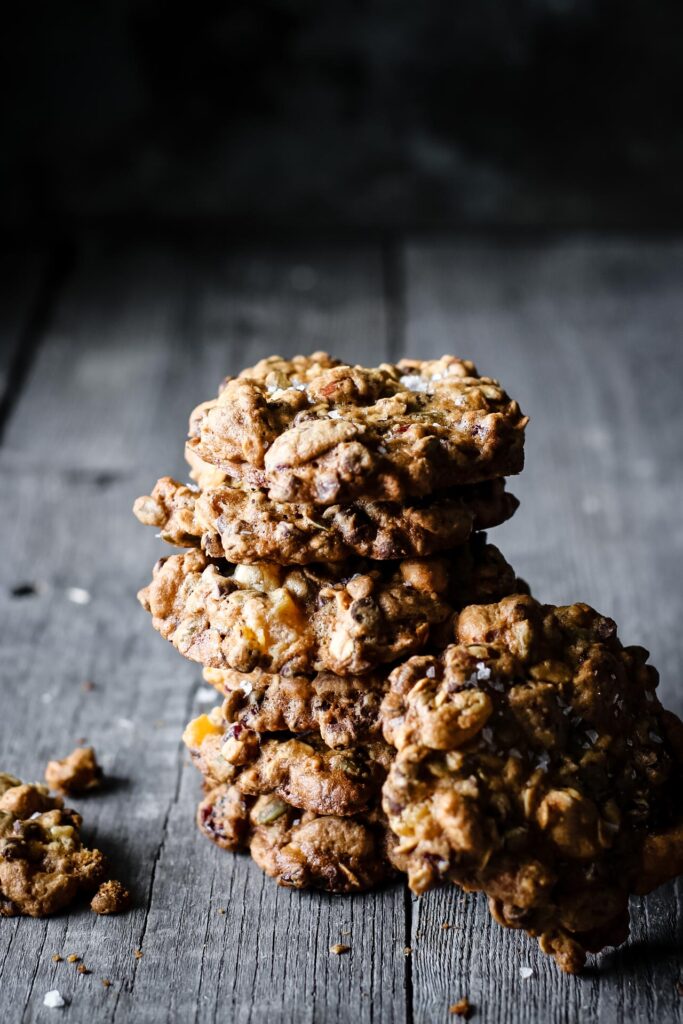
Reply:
x=412, y=113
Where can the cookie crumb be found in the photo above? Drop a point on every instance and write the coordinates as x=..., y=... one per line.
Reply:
x=56, y=958
x=339, y=948
x=525, y=972
x=138, y=954
x=87, y=686
x=463, y=1008
x=106, y=983
x=75, y=773
x=73, y=958
x=82, y=969
x=53, y=999
x=446, y=925
x=111, y=898
x=221, y=910
x=407, y=950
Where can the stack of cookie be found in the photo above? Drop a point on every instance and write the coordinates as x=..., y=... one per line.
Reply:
x=334, y=529
x=393, y=699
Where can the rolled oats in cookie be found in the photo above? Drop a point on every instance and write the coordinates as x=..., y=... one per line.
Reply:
x=43, y=864
x=302, y=770
x=299, y=849
x=347, y=619
x=312, y=429
x=247, y=526
x=536, y=763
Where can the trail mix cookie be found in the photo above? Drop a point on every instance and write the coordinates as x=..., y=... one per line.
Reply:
x=247, y=526
x=302, y=770
x=347, y=618
x=343, y=709
x=43, y=863
x=536, y=763
x=301, y=850
x=312, y=429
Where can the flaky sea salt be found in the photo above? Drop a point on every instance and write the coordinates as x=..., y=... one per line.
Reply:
x=334, y=414
x=78, y=595
x=483, y=671
x=246, y=687
x=53, y=999
x=431, y=672
x=206, y=695
x=525, y=972
x=414, y=382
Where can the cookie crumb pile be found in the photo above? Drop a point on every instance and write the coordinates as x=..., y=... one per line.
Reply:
x=392, y=699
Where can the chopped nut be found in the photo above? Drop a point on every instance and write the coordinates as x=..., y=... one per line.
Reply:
x=82, y=969
x=57, y=958
x=73, y=958
x=463, y=1008
x=339, y=948
x=138, y=954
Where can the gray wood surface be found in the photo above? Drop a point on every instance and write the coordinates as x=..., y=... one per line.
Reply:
x=586, y=333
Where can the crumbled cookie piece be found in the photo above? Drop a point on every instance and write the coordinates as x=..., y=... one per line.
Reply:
x=346, y=619
x=303, y=771
x=311, y=429
x=75, y=773
x=246, y=526
x=338, y=948
x=536, y=763
x=112, y=897
x=463, y=1008
x=43, y=864
x=343, y=709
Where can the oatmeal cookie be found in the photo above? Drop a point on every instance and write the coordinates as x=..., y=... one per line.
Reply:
x=43, y=864
x=346, y=619
x=303, y=771
x=312, y=429
x=301, y=850
x=536, y=763
x=343, y=709
x=247, y=526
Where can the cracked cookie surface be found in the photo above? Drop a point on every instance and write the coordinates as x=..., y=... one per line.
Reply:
x=43, y=864
x=300, y=850
x=535, y=762
x=346, y=619
x=312, y=429
x=247, y=526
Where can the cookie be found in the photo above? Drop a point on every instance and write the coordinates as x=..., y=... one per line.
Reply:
x=247, y=526
x=347, y=619
x=300, y=850
x=536, y=763
x=312, y=429
x=344, y=710
x=301, y=770
x=43, y=864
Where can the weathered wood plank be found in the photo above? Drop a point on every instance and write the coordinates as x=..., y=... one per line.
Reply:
x=136, y=341
x=21, y=276
x=588, y=336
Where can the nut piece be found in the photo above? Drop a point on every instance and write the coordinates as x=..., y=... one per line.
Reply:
x=75, y=773
x=111, y=898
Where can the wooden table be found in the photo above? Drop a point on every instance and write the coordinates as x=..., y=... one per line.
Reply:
x=103, y=358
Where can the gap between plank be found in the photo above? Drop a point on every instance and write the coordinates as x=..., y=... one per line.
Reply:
x=59, y=266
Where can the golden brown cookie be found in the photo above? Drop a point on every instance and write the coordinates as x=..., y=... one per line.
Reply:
x=311, y=429
x=347, y=619
x=536, y=763
x=247, y=526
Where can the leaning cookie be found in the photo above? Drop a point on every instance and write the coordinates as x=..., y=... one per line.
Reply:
x=302, y=770
x=347, y=619
x=343, y=709
x=300, y=850
x=247, y=526
x=536, y=763
x=312, y=429
x=44, y=866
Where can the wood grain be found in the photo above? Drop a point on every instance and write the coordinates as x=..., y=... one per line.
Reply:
x=585, y=332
